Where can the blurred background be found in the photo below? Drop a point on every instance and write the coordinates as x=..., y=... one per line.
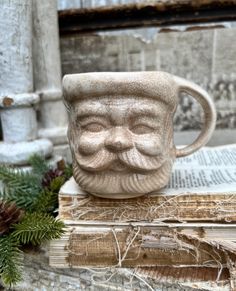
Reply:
x=43, y=40
x=202, y=53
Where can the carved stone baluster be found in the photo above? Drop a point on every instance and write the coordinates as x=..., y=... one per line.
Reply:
x=47, y=74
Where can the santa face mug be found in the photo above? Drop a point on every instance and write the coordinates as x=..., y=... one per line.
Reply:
x=121, y=130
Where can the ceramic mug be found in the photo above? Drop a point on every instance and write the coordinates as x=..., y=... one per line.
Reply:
x=121, y=129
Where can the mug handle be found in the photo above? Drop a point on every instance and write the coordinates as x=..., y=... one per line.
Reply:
x=209, y=115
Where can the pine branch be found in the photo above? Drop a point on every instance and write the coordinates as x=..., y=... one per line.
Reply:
x=11, y=261
x=23, y=199
x=56, y=184
x=28, y=192
x=46, y=202
x=39, y=165
x=19, y=187
x=36, y=228
x=68, y=172
x=18, y=179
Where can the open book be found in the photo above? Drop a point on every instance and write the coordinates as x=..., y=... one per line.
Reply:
x=209, y=170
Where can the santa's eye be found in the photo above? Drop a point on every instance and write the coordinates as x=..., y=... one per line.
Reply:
x=142, y=129
x=93, y=127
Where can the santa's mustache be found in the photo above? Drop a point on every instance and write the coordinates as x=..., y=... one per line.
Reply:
x=132, y=159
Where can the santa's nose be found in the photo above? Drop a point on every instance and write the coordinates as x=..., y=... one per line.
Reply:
x=119, y=139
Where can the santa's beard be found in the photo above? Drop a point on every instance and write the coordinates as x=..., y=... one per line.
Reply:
x=143, y=174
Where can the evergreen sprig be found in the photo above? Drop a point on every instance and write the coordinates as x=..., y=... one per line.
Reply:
x=18, y=179
x=47, y=201
x=36, y=228
x=68, y=172
x=11, y=260
x=56, y=184
x=37, y=193
x=19, y=186
x=23, y=199
x=39, y=166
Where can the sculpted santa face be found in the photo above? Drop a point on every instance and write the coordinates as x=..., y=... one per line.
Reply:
x=120, y=145
x=121, y=132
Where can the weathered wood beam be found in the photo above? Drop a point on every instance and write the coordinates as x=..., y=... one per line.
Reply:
x=156, y=13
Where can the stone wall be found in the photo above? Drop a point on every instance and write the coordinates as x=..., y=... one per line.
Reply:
x=39, y=276
x=67, y=4
x=207, y=57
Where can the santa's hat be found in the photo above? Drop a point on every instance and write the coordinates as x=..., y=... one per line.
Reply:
x=160, y=86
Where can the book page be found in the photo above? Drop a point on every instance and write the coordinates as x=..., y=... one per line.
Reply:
x=209, y=170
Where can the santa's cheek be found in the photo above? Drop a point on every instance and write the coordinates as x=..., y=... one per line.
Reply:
x=149, y=145
x=90, y=143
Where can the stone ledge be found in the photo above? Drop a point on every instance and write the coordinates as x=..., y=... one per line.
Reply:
x=51, y=161
x=18, y=100
x=38, y=275
x=19, y=153
x=58, y=135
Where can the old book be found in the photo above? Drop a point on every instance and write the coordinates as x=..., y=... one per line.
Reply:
x=202, y=188
x=144, y=244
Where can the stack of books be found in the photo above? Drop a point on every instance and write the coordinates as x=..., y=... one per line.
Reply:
x=191, y=222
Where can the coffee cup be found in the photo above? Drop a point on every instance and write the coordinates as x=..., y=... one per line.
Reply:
x=121, y=129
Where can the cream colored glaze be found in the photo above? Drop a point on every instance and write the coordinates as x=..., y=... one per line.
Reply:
x=121, y=130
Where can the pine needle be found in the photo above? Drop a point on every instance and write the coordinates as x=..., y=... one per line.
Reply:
x=23, y=199
x=46, y=202
x=19, y=187
x=68, y=172
x=11, y=261
x=15, y=178
x=27, y=191
x=36, y=228
x=57, y=183
x=39, y=165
